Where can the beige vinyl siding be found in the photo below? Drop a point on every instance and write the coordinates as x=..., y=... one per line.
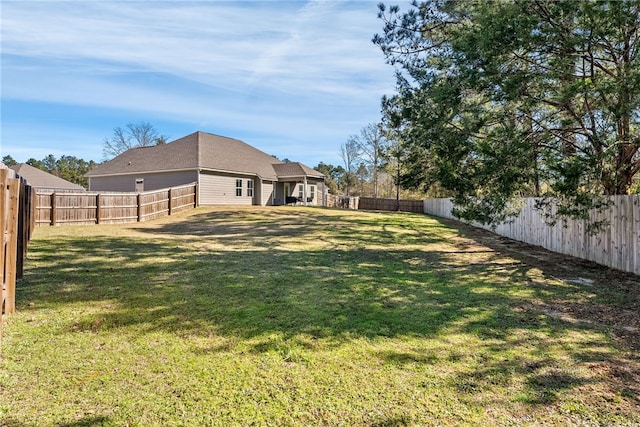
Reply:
x=221, y=190
x=266, y=193
x=113, y=183
x=152, y=181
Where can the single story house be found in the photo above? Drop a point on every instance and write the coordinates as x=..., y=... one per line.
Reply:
x=228, y=172
x=44, y=181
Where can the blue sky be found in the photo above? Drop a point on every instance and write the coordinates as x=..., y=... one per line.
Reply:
x=292, y=78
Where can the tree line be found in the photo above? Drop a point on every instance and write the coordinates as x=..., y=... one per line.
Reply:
x=73, y=169
x=371, y=167
x=69, y=168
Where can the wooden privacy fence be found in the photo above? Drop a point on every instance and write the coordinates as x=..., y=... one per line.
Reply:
x=17, y=220
x=616, y=246
x=370, y=203
x=342, y=202
x=113, y=208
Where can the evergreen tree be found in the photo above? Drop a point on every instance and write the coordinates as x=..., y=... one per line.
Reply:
x=9, y=161
x=501, y=99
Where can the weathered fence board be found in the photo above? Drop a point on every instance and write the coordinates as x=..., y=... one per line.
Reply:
x=616, y=246
x=342, y=202
x=182, y=198
x=9, y=200
x=112, y=208
x=26, y=222
x=403, y=205
x=4, y=216
x=17, y=219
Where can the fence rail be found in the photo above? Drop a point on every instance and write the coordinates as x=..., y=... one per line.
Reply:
x=112, y=208
x=403, y=205
x=616, y=246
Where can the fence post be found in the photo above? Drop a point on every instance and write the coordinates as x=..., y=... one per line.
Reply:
x=195, y=195
x=53, y=209
x=139, y=202
x=170, y=200
x=12, y=246
x=4, y=214
x=34, y=205
x=98, y=214
x=23, y=226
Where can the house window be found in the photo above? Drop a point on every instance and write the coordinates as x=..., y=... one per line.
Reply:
x=139, y=185
x=300, y=191
x=312, y=192
x=238, y=187
x=249, y=188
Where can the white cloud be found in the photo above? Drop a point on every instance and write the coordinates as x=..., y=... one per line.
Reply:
x=288, y=69
x=212, y=42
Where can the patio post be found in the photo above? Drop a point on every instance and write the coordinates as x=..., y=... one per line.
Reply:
x=304, y=184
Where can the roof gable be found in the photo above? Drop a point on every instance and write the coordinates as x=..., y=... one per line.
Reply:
x=197, y=151
x=232, y=155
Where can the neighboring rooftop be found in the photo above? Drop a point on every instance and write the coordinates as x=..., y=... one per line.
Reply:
x=42, y=180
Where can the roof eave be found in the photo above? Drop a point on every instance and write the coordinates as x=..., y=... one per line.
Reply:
x=102, y=175
x=231, y=172
x=300, y=176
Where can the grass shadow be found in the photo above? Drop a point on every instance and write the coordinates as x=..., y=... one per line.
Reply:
x=284, y=279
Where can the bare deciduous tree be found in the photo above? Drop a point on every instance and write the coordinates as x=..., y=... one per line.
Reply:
x=372, y=145
x=134, y=135
x=350, y=152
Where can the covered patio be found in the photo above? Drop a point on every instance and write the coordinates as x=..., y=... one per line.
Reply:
x=299, y=184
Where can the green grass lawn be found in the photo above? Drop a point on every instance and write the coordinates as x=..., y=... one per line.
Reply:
x=305, y=316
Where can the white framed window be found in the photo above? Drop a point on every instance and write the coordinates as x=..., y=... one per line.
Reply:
x=249, y=188
x=238, y=188
x=300, y=191
x=312, y=192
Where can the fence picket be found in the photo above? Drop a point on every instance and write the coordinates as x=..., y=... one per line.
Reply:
x=616, y=246
x=112, y=208
x=17, y=211
x=403, y=205
x=12, y=246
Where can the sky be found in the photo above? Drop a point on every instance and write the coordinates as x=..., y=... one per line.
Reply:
x=294, y=79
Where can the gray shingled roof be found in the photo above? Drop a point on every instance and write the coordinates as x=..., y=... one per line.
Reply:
x=295, y=169
x=200, y=150
x=41, y=179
